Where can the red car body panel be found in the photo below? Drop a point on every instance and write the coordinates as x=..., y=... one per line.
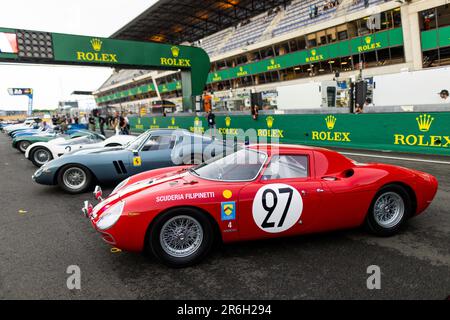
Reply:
x=336, y=195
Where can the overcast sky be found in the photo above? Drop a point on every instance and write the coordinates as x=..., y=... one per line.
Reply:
x=84, y=17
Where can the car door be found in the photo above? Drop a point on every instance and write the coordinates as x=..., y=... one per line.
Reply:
x=154, y=153
x=285, y=200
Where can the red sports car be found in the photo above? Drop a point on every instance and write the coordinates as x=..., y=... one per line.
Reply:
x=259, y=192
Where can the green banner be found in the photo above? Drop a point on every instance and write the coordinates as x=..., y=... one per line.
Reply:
x=436, y=38
x=426, y=133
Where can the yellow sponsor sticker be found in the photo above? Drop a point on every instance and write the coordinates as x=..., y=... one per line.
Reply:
x=227, y=194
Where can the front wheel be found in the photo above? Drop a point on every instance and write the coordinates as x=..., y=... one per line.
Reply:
x=389, y=211
x=40, y=156
x=181, y=237
x=23, y=146
x=74, y=179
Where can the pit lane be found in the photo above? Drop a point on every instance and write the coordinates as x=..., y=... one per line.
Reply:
x=42, y=232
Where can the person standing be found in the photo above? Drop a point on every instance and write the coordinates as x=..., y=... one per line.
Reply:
x=91, y=122
x=207, y=98
x=444, y=96
x=255, y=112
x=101, y=122
x=212, y=122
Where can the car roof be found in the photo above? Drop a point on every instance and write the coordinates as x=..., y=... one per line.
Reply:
x=283, y=148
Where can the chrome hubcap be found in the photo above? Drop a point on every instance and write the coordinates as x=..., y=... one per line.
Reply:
x=74, y=178
x=181, y=236
x=389, y=209
x=41, y=156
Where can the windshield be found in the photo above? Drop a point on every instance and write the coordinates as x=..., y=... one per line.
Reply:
x=134, y=145
x=243, y=165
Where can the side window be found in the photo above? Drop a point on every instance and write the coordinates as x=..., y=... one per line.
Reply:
x=159, y=143
x=287, y=167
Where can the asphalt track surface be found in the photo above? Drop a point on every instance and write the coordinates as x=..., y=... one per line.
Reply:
x=42, y=232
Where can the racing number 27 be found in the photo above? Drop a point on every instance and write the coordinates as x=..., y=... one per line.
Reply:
x=277, y=207
x=270, y=209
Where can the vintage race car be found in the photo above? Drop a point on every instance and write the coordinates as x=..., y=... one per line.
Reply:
x=22, y=143
x=42, y=152
x=77, y=171
x=259, y=192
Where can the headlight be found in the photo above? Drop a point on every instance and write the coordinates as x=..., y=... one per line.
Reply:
x=110, y=216
x=120, y=185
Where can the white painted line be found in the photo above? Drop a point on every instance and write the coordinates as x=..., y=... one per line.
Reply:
x=394, y=158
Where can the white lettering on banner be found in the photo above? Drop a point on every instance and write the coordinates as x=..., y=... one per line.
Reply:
x=186, y=196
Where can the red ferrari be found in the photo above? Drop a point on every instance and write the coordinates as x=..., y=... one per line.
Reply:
x=259, y=192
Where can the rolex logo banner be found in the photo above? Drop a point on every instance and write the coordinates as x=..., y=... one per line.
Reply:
x=405, y=132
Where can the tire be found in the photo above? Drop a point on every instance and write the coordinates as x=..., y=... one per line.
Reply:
x=40, y=155
x=202, y=242
x=81, y=178
x=23, y=145
x=387, y=221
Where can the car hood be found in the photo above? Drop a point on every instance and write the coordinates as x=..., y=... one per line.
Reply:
x=97, y=150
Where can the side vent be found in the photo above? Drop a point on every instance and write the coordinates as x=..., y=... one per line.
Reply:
x=118, y=169
x=122, y=166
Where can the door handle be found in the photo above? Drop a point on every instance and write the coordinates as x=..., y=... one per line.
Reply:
x=320, y=190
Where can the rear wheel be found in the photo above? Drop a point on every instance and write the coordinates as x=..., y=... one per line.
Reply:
x=181, y=237
x=389, y=210
x=40, y=156
x=23, y=146
x=74, y=179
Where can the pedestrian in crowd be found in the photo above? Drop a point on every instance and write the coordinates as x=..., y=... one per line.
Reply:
x=75, y=119
x=255, y=113
x=84, y=120
x=91, y=122
x=54, y=120
x=63, y=125
x=101, y=122
x=44, y=125
x=212, y=123
x=207, y=102
x=116, y=122
x=358, y=109
x=124, y=124
x=368, y=103
x=444, y=96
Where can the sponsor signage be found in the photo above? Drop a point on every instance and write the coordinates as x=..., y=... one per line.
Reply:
x=407, y=132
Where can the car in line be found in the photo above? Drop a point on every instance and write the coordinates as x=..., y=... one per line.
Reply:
x=42, y=152
x=76, y=172
x=259, y=192
x=23, y=142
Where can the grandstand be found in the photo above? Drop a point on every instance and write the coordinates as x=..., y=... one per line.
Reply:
x=280, y=33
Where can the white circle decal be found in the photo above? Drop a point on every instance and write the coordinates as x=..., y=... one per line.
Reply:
x=277, y=207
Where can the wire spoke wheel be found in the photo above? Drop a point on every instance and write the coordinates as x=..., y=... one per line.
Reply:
x=181, y=236
x=23, y=145
x=74, y=178
x=389, y=209
x=41, y=156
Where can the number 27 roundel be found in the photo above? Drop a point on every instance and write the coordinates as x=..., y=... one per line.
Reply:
x=277, y=207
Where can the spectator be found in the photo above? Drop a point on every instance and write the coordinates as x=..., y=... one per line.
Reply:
x=44, y=125
x=101, y=122
x=368, y=103
x=255, y=112
x=54, y=120
x=91, y=122
x=358, y=109
x=207, y=102
x=444, y=96
x=116, y=122
x=63, y=125
x=122, y=124
x=212, y=122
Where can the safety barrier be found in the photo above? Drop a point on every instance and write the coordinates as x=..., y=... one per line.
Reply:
x=427, y=133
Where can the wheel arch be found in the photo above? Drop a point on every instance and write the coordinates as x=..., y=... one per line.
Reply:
x=217, y=233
